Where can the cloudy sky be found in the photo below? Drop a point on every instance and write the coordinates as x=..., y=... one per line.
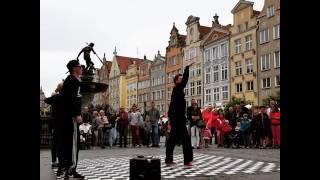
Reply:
x=135, y=27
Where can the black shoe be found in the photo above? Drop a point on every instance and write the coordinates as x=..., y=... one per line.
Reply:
x=54, y=165
x=59, y=172
x=77, y=175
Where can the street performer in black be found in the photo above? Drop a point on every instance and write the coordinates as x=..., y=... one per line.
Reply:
x=71, y=119
x=177, y=117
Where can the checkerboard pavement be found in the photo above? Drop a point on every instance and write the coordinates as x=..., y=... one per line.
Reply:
x=203, y=165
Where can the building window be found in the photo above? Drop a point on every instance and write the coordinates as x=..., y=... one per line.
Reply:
x=153, y=95
x=193, y=53
x=276, y=31
x=266, y=83
x=277, y=59
x=224, y=72
x=249, y=65
x=216, y=73
x=208, y=74
x=216, y=94
x=208, y=95
x=192, y=89
x=158, y=95
x=265, y=62
x=250, y=86
x=239, y=28
x=249, y=42
x=163, y=94
x=264, y=36
x=224, y=50
x=238, y=68
x=207, y=53
x=162, y=107
x=238, y=45
x=246, y=25
x=174, y=60
x=277, y=80
x=186, y=90
x=198, y=87
x=198, y=70
x=270, y=11
x=215, y=53
x=239, y=87
x=225, y=93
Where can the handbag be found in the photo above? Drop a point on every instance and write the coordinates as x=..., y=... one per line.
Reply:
x=201, y=124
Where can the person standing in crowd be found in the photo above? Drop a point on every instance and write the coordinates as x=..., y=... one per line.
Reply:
x=179, y=133
x=275, y=125
x=55, y=102
x=194, y=115
x=207, y=116
x=269, y=109
x=255, y=127
x=94, y=128
x=86, y=116
x=206, y=133
x=103, y=122
x=113, y=129
x=154, y=116
x=72, y=118
x=219, y=125
x=244, y=109
x=265, y=127
x=214, y=124
x=147, y=128
x=135, y=118
x=231, y=116
x=245, y=129
x=123, y=122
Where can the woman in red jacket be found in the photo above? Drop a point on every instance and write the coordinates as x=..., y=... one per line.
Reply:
x=275, y=125
x=214, y=118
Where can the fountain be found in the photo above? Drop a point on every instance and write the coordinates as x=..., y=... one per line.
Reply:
x=89, y=88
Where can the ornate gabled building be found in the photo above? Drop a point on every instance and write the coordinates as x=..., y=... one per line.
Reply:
x=243, y=52
x=117, y=80
x=174, y=59
x=216, y=74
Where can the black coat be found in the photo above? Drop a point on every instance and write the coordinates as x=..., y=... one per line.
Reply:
x=56, y=110
x=71, y=101
x=191, y=113
x=177, y=108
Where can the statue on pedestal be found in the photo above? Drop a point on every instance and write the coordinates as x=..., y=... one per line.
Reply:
x=86, y=56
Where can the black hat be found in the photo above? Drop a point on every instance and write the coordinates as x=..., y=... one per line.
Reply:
x=71, y=64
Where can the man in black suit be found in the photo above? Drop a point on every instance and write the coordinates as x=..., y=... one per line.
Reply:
x=71, y=119
x=177, y=117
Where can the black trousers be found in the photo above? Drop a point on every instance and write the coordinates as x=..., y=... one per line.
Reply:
x=70, y=144
x=54, y=146
x=179, y=135
x=214, y=132
x=123, y=133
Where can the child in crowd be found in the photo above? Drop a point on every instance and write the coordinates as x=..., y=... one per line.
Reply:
x=206, y=134
x=245, y=129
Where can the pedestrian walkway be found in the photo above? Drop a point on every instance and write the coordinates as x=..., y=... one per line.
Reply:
x=204, y=165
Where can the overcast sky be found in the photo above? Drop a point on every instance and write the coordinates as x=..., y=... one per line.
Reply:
x=135, y=27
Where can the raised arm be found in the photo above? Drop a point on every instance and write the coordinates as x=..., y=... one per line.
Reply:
x=185, y=77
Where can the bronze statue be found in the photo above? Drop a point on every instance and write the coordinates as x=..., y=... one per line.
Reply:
x=86, y=56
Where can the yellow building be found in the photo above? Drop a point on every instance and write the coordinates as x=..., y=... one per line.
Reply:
x=132, y=84
x=117, y=80
x=243, y=52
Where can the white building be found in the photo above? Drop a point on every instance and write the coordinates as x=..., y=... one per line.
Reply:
x=216, y=74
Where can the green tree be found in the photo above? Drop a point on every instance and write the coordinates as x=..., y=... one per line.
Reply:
x=275, y=97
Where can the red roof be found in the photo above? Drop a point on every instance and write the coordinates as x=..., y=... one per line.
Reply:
x=204, y=30
x=124, y=62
